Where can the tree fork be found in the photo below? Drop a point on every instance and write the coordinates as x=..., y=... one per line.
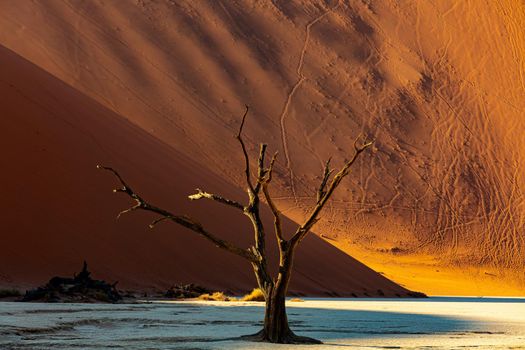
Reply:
x=276, y=328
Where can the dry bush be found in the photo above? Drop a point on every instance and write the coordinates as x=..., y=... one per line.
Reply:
x=297, y=300
x=217, y=296
x=255, y=295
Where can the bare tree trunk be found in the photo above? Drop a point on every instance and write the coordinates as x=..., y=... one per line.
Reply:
x=276, y=328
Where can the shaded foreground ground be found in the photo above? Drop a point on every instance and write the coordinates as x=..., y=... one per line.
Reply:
x=437, y=323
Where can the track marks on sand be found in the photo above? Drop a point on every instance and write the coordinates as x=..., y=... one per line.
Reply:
x=300, y=79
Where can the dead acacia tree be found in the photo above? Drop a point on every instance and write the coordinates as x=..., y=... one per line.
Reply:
x=276, y=329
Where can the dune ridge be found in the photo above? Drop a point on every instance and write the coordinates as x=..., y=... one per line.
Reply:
x=59, y=210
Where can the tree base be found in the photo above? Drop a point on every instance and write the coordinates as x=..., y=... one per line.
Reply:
x=288, y=337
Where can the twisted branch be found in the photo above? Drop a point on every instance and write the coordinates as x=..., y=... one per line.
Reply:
x=178, y=219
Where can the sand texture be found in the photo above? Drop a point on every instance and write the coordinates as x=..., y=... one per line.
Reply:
x=440, y=85
x=58, y=209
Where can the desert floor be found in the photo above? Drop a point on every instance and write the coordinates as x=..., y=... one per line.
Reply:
x=435, y=323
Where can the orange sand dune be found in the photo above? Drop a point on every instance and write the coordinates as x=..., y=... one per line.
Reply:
x=439, y=84
x=57, y=209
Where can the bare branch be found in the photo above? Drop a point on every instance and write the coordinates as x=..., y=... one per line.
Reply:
x=363, y=146
x=261, y=171
x=156, y=221
x=252, y=209
x=243, y=120
x=326, y=175
x=312, y=219
x=246, y=158
x=201, y=194
x=135, y=207
x=262, y=153
x=181, y=220
x=356, y=147
x=124, y=189
x=266, y=179
x=276, y=214
x=269, y=170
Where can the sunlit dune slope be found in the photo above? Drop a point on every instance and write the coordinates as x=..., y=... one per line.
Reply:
x=440, y=85
x=58, y=209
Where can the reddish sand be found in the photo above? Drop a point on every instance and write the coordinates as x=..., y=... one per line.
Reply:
x=439, y=84
x=57, y=209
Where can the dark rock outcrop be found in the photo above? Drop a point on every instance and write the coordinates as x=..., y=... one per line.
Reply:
x=81, y=288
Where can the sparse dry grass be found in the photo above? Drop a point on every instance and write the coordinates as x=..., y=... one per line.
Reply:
x=255, y=295
x=297, y=300
x=217, y=296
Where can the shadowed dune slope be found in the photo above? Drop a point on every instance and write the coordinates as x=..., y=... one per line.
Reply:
x=440, y=85
x=57, y=209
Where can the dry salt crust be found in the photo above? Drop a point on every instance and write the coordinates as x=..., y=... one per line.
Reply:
x=435, y=323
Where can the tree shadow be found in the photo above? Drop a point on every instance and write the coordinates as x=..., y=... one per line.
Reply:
x=328, y=325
